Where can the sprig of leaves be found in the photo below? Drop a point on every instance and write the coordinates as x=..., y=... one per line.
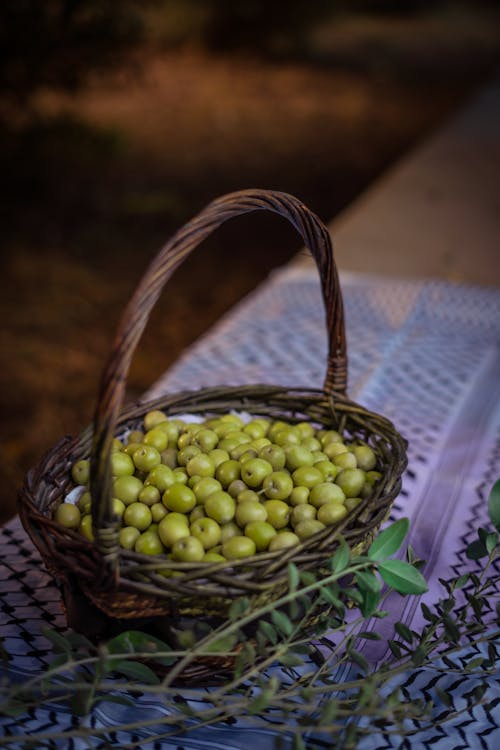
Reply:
x=281, y=674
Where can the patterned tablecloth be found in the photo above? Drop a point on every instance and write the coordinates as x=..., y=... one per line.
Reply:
x=424, y=353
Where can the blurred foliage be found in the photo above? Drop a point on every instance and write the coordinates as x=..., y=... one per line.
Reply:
x=261, y=25
x=56, y=159
x=57, y=43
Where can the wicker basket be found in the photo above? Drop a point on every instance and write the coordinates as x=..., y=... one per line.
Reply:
x=104, y=583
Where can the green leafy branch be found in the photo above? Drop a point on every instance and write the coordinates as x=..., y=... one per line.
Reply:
x=281, y=674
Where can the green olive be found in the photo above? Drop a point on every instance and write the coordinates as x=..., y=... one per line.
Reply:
x=149, y=543
x=146, y=458
x=121, y=465
x=351, y=481
x=138, y=515
x=238, y=547
x=158, y=511
x=135, y=436
x=128, y=536
x=127, y=489
x=85, y=528
x=152, y=418
x=365, y=457
x=81, y=472
x=283, y=540
x=149, y=495
x=68, y=515
x=331, y=513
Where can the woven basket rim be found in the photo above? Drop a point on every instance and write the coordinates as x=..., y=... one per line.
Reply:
x=305, y=554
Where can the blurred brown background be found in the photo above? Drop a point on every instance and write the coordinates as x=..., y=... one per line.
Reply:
x=118, y=121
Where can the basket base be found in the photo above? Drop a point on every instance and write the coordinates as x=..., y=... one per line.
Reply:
x=84, y=617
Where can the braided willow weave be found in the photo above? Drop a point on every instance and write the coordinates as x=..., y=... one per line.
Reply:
x=124, y=584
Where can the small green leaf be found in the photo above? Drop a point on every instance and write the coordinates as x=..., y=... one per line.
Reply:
x=268, y=631
x=307, y=694
x=479, y=692
x=259, y=703
x=428, y=615
x=238, y=608
x=121, y=700
x=298, y=743
x=368, y=581
x=248, y=652
x=246, y=656
x=137, y=671
x=462, y=581
x=293, y=577
x=56, y=662
x=404, y=632
x=330, y=597
x=368, y=635
x=476, y=550
x=477, y=605
x=366, y=694
x=491, y=541
x=60, y=643
x=272, y=685
x=290, y=660
x=184, y=706
x=380, y=613
x=359, y=659
x=444, y=697
x=413, y=559
x=448, y=604
x=225, y=643
x=395, y=649
x=354, y=594
x=293, y=610
x=135, y=642
x=186, y=638
x=370, y=602
x=327, y=594
x=389, y=540
x=302, y=648
x=478, y=661
x=394, y=698
x=340, y=560
x=282, y=622
x=493, y=656
x=494, y=505
x=81, y=701
x=351, y=737
x=329, y=711
x=419, y=656
x=79, y=641
x=307, y=577
x=482, y=534
x=402, y=577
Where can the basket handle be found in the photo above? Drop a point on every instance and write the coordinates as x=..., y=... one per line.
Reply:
x=136, y=314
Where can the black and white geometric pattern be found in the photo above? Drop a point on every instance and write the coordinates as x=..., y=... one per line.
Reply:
x=425, y=354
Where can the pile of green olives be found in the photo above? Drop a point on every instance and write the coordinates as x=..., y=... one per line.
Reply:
x=225, y=488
